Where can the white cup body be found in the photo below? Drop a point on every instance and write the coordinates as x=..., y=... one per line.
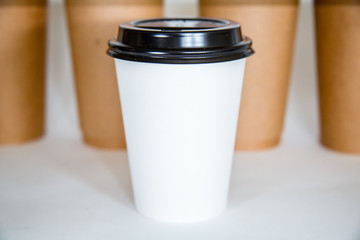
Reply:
x=180, y=124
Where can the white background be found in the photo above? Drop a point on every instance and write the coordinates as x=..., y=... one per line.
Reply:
x=61, y=101
x=58, y=188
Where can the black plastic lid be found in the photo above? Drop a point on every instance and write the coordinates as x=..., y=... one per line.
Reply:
x=180, y=40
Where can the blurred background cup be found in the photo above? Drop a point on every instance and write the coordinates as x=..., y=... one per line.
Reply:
x=91, y=23
x=338, y=59
x=22, y=70
x=271, y=24
x=180, y=87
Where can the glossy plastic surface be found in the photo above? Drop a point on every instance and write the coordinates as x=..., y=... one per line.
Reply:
x=176, y=40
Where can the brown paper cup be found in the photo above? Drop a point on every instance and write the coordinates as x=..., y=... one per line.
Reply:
x=91, y=24
x=22, y=61
x=338, y=54
x=271, y=25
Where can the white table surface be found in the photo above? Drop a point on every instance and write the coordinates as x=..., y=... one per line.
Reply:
x=58, y=188
x=62, y=189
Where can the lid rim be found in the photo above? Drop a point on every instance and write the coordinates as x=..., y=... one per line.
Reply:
x=174, y=59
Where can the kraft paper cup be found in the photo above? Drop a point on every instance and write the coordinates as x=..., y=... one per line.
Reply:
x=22, y=74
x=338, y=54
x=91, y=24
x=267, y=74
x=180, y=84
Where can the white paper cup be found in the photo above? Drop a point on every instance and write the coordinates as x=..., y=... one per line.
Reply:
x=180, y=124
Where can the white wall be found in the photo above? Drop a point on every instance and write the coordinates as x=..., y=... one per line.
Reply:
x=61, y=103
